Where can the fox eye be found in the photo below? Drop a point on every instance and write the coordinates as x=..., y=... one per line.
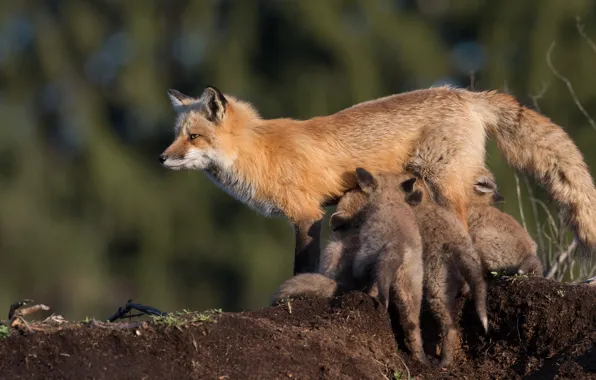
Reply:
x=193, y=136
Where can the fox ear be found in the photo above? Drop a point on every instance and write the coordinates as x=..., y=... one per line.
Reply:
x=215, y=104
x=408, y=185
x=366, y=181
x=179, y=100
x=414, y=198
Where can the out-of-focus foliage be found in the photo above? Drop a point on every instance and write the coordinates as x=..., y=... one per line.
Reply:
x=88, y=217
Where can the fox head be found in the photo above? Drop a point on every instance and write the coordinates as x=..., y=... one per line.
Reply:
x=204, y=130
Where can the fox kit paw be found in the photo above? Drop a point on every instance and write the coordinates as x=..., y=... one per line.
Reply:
x=379, y=305
x=444, y=364
x=423, y=359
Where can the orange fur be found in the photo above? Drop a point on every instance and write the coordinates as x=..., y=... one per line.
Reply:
x=292, y=167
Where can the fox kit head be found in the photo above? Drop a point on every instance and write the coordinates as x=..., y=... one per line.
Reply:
x=204, y=130
x=403, y=185
x=373, y=189
x=348, y=208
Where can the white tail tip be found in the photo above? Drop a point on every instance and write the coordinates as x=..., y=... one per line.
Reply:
x=485, y=323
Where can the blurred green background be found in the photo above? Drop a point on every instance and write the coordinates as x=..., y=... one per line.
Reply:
x=88, y=217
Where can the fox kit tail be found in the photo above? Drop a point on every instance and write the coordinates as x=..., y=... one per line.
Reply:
x=471, y=269
x=307, y=285
x=534, y=144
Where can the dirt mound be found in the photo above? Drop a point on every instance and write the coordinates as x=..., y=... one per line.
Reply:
x=538, y=329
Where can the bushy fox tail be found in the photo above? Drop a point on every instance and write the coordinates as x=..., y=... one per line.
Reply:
x=306, y=285
x=534, y=144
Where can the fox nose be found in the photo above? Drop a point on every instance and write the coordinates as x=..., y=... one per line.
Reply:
x=162, y=158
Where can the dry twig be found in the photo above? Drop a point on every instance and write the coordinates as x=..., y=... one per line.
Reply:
x=561, y=258
x=519, y=202
x=539, y=96
x=582, y=32
x=535, y=212
x=16, y=314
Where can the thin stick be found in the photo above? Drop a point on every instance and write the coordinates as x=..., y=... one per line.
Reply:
x=31, y=310
x=552, y=223
x=571, y=266
x=539, y=96
x=535, y=212
x=569, y=86
x=519, y=202
x=591, y=281
x=562, y=256
x=472, y=80
x=404, y=363
x=582, y=32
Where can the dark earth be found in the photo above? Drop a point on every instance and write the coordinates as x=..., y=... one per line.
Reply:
x=539, y=329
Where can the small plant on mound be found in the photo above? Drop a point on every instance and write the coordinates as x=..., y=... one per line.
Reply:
x=183, y=317
x=4, y=331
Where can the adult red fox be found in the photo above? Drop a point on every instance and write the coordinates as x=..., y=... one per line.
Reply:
x=295, y=167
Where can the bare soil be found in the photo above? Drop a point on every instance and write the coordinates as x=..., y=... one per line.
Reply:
x=539, y=329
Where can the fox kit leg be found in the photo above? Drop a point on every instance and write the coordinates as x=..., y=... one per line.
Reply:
x=463, y=288
x=471, y=269
x=308, y=241
x=386, y=268
x=407, y=295
x=440, y=296
x=329, y=261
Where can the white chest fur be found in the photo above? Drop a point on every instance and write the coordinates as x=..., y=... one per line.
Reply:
x=231, y=183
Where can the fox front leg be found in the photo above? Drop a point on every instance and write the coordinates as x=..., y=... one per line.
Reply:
x=308, y=246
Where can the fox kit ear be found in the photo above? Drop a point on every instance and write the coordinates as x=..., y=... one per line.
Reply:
x=485, y=185
x=337, y=221
x=215, y=104
x=414, y=198
x=179, y=100
x=365, y=179
x=408, y=185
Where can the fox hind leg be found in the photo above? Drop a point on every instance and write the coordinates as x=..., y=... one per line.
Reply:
x=308, y=246
x=441, y=300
